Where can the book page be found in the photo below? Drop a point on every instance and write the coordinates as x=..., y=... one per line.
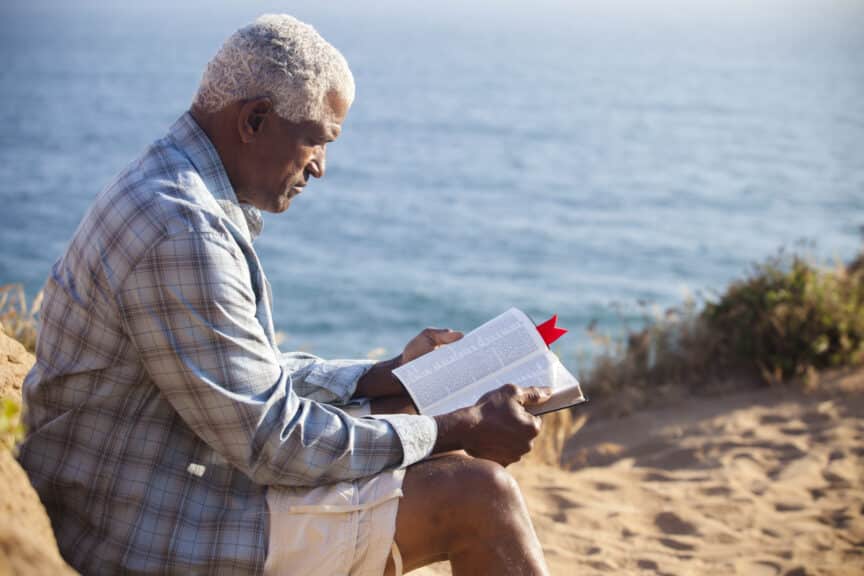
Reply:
x=447, y=371
x=537, y=370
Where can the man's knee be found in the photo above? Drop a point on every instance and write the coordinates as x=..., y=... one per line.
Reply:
x=475, y=494
x=453, y=502
x=487, y=484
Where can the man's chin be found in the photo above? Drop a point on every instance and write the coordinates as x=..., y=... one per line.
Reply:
x=283, y=201
x=281, y=206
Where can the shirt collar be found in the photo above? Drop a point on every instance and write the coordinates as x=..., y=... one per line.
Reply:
x=193, y=142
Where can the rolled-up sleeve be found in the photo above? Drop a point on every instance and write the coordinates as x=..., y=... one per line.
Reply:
x=189, y=308
x=330, y=381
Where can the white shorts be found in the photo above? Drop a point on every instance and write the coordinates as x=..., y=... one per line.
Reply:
x=334, y=530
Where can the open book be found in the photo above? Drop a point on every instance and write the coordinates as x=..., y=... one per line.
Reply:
x=505, y=350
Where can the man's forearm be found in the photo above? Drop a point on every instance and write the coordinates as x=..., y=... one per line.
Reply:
x=379, y=381
x=392, y=405
x=452, y=429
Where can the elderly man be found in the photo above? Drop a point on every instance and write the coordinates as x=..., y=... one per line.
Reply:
x=168, y=433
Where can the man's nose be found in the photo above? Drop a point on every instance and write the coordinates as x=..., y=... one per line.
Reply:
x=318, y=163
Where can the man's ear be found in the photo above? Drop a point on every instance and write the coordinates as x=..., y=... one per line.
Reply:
x=253, y=115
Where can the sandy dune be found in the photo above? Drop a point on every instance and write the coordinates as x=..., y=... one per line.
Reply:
x=765, y=482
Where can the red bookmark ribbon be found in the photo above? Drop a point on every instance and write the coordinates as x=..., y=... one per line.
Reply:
x=549, y=331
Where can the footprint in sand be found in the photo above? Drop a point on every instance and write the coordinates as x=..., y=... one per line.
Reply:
x=657, y=477
x=746, y=473
x=773, y=419
x=561, y=503
x=817, y=493
x=646, y=564
x=788, y=507
x=836, y=455
x=676, y=544
x=796, y=430
x=671, y=523
x=758, y=568
x=601, y=566
x=838, y=518
x=716, y=491
x=817, y=420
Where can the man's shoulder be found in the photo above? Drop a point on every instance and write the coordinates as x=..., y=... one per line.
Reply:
x=158, y=196
x=160, y=191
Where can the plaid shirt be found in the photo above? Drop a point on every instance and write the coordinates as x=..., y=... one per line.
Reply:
x=160, y=408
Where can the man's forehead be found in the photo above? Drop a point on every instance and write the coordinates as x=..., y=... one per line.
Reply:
x=330, y=126
x=337, y=107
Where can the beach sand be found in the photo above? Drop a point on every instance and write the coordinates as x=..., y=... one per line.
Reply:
x=759, y=482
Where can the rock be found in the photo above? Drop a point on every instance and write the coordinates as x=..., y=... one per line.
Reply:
x=27, y=543
x=15, y=362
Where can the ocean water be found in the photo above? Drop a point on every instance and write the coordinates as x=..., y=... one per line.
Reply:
x=583, y=159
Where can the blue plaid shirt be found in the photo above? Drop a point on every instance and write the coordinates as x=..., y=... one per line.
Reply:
x=160, y=407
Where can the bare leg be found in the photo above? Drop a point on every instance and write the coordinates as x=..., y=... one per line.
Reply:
x=469, y=511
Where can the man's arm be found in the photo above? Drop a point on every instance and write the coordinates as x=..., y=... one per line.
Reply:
x=338, y=381
x=498, y=427
x=189, y=309
x=379, y=381
x=327, y=381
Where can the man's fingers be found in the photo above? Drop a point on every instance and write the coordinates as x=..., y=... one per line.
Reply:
x=428, y=340
x=534, y=395
x=441, y=336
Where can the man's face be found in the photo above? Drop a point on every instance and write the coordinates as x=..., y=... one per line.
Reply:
x=285, y=155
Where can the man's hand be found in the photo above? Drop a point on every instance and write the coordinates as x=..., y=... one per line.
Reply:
x=496, y=428
x=428, y=340
x=379, y=381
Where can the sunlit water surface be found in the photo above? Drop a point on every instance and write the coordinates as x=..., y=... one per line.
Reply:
x=558, y=162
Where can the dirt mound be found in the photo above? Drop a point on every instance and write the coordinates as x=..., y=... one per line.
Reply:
x=15, y=362
x=27, y=544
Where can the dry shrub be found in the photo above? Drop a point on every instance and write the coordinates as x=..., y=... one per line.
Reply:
x=790, y=319
x=557, y=428
x=16, y=318
x=786, y=321
x=670, y=354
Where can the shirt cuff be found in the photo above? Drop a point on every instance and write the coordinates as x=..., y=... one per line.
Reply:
x=338, y=377
x=417, y=434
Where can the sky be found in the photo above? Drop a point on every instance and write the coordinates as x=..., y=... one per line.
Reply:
x=806, y=12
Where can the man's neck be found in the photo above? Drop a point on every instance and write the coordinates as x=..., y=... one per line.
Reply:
x=218, y=126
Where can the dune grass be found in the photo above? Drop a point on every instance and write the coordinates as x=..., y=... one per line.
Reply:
x=17, y=319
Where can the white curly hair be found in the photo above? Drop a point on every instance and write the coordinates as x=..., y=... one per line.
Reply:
x=280, y=57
